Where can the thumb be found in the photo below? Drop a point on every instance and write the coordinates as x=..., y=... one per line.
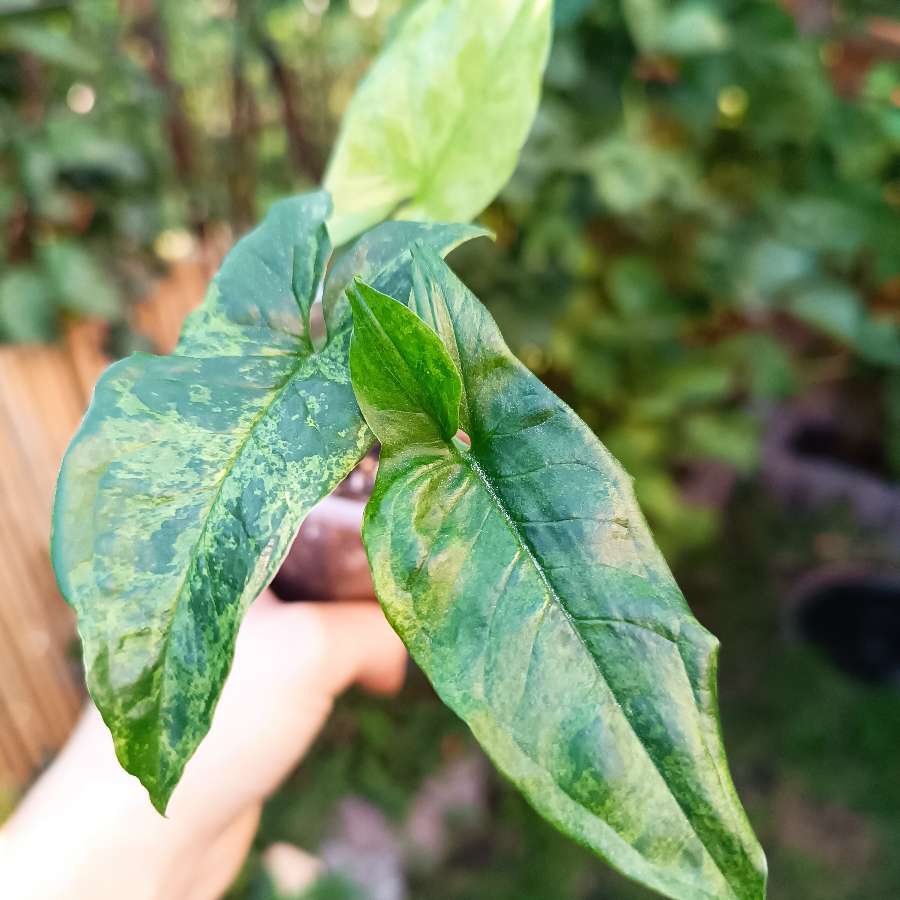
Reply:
x=346, y=643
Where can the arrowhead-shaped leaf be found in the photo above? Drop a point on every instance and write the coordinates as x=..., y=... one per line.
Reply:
x=435, y=129
x=524, y=581
x=180, y=494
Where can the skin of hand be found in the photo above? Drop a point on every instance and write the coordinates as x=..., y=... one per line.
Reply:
x=87, y=831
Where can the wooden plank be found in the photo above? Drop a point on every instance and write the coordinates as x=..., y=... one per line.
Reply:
x=43, y=394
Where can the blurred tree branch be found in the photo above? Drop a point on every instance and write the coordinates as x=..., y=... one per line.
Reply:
x=303, y=153
x=244, y=124
x=147, y=26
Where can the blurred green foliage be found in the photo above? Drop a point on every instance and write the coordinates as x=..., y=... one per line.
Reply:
x=702, y=224
x=129, y=129
x=705, y=221
x=706, y=218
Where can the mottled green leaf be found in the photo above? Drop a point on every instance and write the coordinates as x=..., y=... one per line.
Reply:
x=527, y=586
x=191, y=474
x=434, y=130
x=382, y=258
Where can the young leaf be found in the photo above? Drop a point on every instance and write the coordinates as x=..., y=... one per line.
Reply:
x=435, y=128
x=190, y=475
x=382, y=257
x=524, y=581
x=412, y=387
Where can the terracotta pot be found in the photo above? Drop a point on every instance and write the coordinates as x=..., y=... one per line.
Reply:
x=327, y=560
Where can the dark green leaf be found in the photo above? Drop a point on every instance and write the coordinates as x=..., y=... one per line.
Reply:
x=382, y=258
x=526, y=584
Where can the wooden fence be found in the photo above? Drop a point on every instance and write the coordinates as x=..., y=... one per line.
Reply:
x=43, y=394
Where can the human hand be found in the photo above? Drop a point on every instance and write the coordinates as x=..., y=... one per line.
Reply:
x=87, y=829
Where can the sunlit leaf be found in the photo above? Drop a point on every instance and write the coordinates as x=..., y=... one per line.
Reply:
x=522, y=577
x=435, y=128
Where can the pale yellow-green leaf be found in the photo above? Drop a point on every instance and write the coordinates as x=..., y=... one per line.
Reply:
x=435, y=129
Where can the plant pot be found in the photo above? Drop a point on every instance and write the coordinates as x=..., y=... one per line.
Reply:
x=825, y=449
x=327, y=560
x=851, y=614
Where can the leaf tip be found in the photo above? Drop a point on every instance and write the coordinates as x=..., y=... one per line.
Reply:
x=159, y=800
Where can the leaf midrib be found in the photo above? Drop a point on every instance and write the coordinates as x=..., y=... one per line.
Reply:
x=553, y=594
x=277, y=393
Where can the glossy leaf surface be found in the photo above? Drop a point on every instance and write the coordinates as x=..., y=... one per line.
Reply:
x=382, y=257
x=526, y=584
x=190, y=475
x=434, y=130
x=408, y=383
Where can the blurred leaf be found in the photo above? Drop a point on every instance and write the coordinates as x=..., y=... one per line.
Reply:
x=829, y=306
x=49, y=44
x=27, y=312
x=80, y=284
x=76, y=145
x=636, y=287
x=676, y=27
x=630, y=175
x=683, y=526
x=731, y=437
x=334, y=887
x=435, y=128
x=569, y=12
x=839, y=312
x=766, y=365
x=768, y=266
x=822, y=224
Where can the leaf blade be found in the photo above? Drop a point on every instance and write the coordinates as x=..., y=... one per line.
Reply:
x=399, y=367
x=382, y=257
x=524, y=581
x=183, y=489
x=435, y=128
